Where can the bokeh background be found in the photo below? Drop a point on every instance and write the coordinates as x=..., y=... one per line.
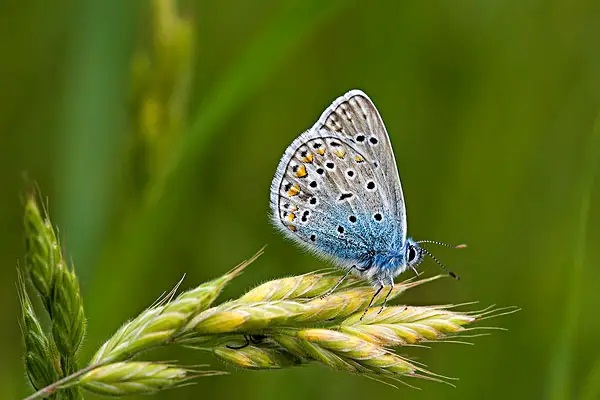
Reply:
x=154, y=128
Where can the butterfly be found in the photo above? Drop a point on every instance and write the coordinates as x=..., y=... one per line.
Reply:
x=337, y=193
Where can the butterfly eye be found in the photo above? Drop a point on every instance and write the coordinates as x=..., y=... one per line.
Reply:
x=412, y=254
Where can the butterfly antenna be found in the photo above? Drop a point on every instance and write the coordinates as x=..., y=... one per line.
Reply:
x=452, y=274
x=458, y=246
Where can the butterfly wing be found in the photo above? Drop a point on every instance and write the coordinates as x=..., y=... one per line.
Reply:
x=336, y=189
x=355, y=117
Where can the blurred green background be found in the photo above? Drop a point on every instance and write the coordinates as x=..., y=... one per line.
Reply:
x=155, y=127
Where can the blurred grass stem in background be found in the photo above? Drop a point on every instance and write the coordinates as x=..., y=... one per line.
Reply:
x=560, y=384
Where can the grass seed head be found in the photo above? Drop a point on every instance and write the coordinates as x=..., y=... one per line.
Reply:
x=256, y=357
x=42, y=362
x=343, y=351
x=294, y=287
x=42, y=249
x=400, y=325
x=68, y=319
x=133, y=378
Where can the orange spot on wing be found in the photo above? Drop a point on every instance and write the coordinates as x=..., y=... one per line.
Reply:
x=308, y=158
x=359, y=159
x=294, y=190
x=290, y=217
x=321, y=151
x=340, y=153
x=301, y=171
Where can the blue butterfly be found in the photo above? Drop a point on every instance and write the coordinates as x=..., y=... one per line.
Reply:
x=337, y=192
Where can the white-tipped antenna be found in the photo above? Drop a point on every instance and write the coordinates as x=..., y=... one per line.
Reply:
x=452, y=274
x=458, y=246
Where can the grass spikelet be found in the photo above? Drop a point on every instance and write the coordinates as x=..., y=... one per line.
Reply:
x=233, y=317
x=42, y=250
x=345, y=352
x=151, y=328
x=159, y=325
x=68, y=320
x=287, y=339
x=346, y=302
x=400, y=325
x=293, y=287
x=136, y=377
x=41, y=359
x=202, y=297
x=255, y=357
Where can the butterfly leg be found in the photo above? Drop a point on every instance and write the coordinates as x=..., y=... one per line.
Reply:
x=257, y=339
x=327, y=293
x=372, y=300
x=386, y=296
x=415, y=270
x=240, y=347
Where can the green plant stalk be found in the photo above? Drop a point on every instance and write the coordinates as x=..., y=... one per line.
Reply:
x=162, y=71
x=591, y=387
x=61, y=383
x=559, y=381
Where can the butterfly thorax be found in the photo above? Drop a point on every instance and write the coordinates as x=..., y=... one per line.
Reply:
x=385, y=266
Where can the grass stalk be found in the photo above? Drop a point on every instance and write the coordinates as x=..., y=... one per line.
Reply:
x=559, y=381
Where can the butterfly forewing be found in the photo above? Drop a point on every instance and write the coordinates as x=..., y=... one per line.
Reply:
x=355, y=117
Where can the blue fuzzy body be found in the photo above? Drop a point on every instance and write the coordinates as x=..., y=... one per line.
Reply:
x=377, y=249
